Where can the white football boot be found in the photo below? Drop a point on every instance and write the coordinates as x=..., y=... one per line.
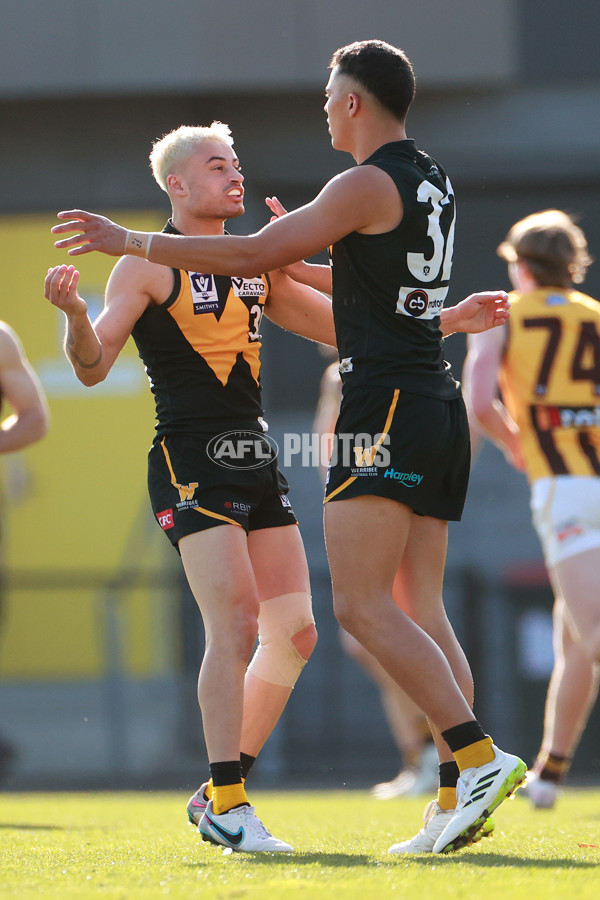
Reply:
x=239, y=829
x=479, y=792
x=542, y=793
x=196, y=805
x=436, y=819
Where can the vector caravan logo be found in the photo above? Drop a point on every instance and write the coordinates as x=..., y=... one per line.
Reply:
x=242, y=450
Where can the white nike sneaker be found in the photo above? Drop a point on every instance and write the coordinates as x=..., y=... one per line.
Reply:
x=435, y=820
x=479, y=791
x=240, y=829
x=542, y=793
x=196, y=805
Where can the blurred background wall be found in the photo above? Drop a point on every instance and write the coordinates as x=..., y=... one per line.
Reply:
x=100, y=640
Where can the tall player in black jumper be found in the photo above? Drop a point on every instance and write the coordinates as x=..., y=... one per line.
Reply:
x=390, y=224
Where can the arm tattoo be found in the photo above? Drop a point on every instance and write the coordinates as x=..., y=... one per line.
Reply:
x=77, y=359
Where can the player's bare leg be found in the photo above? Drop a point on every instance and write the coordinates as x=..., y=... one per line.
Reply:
x=572, y=692
x=367, y=538
x=281, y=571
x=219, y=571
x=576, y=580
x=220, y=575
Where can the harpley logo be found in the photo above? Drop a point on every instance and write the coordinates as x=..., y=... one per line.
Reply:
x=409, y=479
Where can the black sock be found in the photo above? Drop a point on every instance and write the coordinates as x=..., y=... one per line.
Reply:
x=246, y=763
x=463, y=735
x=226, y=772
x=448, y=774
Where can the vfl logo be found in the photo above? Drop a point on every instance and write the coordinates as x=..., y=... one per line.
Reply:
x=204, y=293
x=165, y=519
x=186, y=491
x=416, y=303
x=242, y=450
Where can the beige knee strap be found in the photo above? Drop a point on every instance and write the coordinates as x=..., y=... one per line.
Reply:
x=276, y=659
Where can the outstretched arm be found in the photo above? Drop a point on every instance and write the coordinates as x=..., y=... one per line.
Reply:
x=357, y=199
x=478, y=312
x=21, y=387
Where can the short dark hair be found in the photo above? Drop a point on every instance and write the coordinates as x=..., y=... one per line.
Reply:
x=385, y=71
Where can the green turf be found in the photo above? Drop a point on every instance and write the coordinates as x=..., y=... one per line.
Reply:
x=137, y=845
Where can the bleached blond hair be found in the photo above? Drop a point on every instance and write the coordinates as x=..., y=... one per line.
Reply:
x=181, y=143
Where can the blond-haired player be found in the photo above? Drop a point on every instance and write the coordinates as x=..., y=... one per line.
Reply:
x=199, y=337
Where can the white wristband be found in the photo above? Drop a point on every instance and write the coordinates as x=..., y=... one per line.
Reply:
x=137, y=243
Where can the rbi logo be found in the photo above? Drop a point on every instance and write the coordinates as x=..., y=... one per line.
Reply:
x=416, y=303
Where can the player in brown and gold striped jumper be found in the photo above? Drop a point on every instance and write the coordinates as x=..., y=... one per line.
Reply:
x=547, y=366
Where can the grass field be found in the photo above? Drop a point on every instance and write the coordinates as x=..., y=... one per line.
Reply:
x=137, y=845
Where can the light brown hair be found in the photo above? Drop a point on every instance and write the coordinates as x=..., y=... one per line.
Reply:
x=553, y=246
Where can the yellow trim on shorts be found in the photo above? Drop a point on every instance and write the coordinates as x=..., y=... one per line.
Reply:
x=200, y=509
x=382, y=437
x=342, y=487
x=215, y=515
x=168, y=461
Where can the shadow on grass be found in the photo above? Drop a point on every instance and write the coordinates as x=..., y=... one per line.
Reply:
x=354, y=860
x=348, y=860
x=495, y=860
x=340, y=860
x=22, y=826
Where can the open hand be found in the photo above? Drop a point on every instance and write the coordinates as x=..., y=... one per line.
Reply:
x=94, y=233
x=480, y=312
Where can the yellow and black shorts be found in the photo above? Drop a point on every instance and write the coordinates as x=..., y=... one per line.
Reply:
x=407, y=447
x=191, y=492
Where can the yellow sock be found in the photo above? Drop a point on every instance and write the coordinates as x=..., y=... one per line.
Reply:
x=446, y=798
x=227, y=796
x=474, y=755
x=209, y=788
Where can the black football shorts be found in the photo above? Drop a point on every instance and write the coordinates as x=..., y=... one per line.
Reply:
x=191, y=492
x=407, y=447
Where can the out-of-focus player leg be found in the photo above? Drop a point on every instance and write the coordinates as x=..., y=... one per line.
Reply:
x=572, y=692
